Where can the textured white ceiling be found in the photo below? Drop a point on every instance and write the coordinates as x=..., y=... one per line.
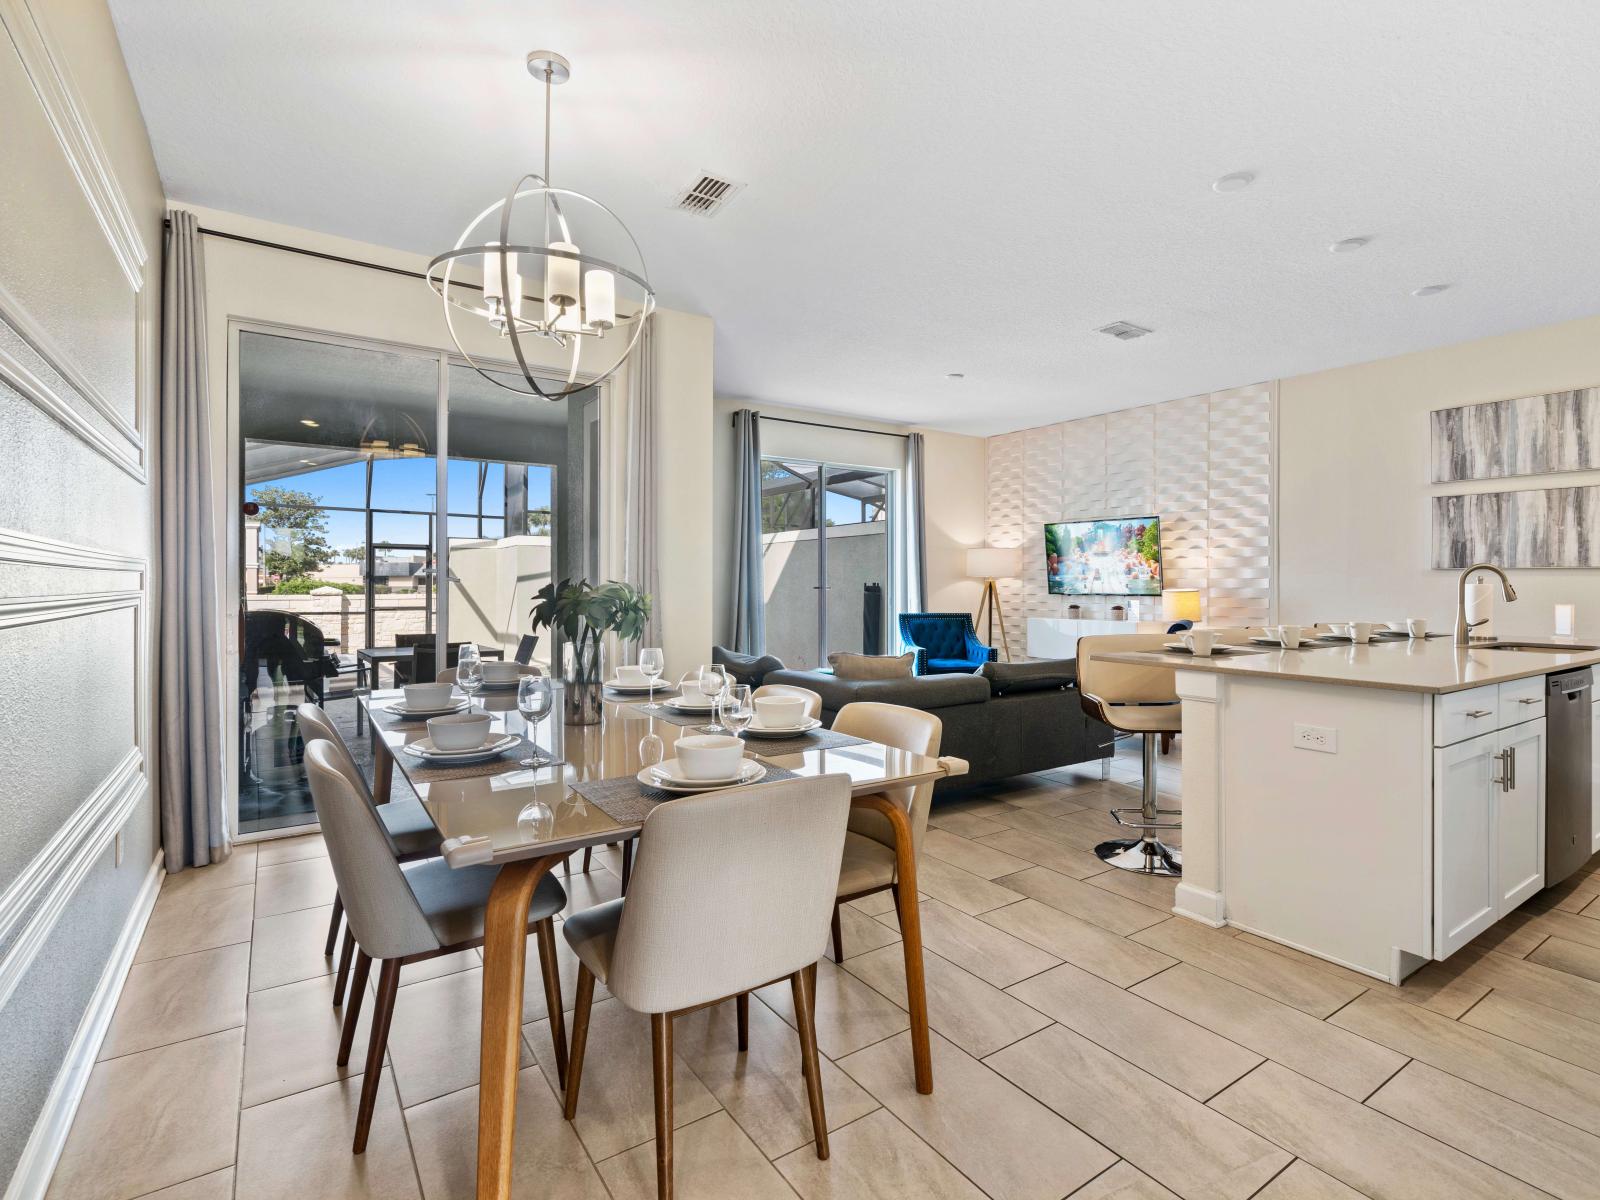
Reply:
x=945, y=186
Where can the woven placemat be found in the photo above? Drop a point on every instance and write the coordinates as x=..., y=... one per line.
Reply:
x=662, y=693
x=672, y=716
x=817, y=739
x=628, y=802
x=507, y=761
x=393, y=720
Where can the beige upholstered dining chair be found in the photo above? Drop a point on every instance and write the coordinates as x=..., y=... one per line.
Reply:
x=813, y=701
x=406, y=826
x=731, y=891
x=402, y=915
x=448, y=675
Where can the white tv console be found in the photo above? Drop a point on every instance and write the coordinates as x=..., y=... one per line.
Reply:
x=1057, y=637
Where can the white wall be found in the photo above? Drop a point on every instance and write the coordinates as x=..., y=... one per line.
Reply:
x=1355, y=510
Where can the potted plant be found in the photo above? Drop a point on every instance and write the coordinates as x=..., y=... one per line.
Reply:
x=584, y=613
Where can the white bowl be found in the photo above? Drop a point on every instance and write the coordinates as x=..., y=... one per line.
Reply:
x=427, y=695
x=780, y=712
x=459, y=731
x=708, y=755
x=500, y=672
x=632, y=676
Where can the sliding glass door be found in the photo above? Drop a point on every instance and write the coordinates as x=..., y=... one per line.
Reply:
x=826, y=559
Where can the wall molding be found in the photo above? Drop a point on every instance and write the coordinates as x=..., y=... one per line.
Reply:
x=33, y=610
x=80, y=145
x=36, y=549
x=31, y=1178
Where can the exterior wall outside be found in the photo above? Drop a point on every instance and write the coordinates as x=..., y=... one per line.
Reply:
x=857, y=555
x=492, y=589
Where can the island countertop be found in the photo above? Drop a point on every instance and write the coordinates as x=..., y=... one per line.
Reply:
x=1434, y=666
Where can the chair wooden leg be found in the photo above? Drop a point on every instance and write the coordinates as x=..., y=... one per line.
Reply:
x=741, y=1007
x=588, y=857
x=661, y=1055
x=805, y=1025
x=550, y=968
x=627, y=865
x=580, y=1038
x=345, y=953
x=838, y=935
x=377, y=1043
x=352, y=1011
x=333, y=925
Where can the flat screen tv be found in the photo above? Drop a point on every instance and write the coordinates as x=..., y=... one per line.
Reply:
x=1114, y=556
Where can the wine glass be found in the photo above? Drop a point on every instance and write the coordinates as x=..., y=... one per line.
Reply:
x=534, y=700
x=652, y=750
x=469, y=671
x=736, y=709
x=652, y=662
x=712, y=682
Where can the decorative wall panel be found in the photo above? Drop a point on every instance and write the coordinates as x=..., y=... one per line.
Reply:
x=1543, y=527
x=1531, y=435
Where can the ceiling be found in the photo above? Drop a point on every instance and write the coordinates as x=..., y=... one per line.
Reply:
x=946, y=187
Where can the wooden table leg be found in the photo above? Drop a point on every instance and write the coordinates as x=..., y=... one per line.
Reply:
x=905, y=855
x=505, y=953
x=382, y=768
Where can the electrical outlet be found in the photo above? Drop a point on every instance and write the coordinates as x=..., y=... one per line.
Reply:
x=118, y=863
x=1316, y=737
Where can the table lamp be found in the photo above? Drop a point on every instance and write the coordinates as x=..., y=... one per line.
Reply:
x=1180, y=604
x=989, y=563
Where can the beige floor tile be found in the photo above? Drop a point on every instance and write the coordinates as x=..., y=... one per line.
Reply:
x=711, y=1158
x=433, y=1038
x=1172, y=1138
x=1088, y=946
x=286, y=887
x=1314, y=1048
x=288, y=948
x=289, y=849
x=1547, y=1084
x=548, y=1161
x=976, y=945
x=1042, y=824
x=1304, y=987
x=298, y=1148
x=616, y=1105
x=971, y=894
x=1437, y=985
x=875, y=1158
x=1568, y=926
x=1154, y=890
x=963, y=824
x=1190, y=1058
x=998, y=1136
x=292, y=1039
x=218, y=1185
x=534, y=1007
x=1517, y=935
x=976, y=857
x=1371, y=1152
x=153, y=1119
x=975, y=1015
x=849, y=1014
x=1531, y=1146
x=172, y=999
x=185, y=921
x=1092, y=904
x=979, y=805
x=874, y=905
x=1534, y=981
x=763, y=1088
x=449, y=964
x=1569, y=957
x=1558, y=1034
x=1302, y=1181
x=238, y=870
x=1123, y=1182
x=587, y=889
x=1044, y=852
x=863, y=934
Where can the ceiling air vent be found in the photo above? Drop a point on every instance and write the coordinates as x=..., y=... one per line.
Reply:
x=707, y=196
x=1124, y=331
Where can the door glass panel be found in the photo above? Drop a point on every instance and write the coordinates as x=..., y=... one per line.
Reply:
x=789, y=564
x=856, y=526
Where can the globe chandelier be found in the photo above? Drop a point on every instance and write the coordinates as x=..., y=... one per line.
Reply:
x=590, y=305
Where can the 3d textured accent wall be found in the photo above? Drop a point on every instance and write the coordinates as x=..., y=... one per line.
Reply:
x=1203, y=464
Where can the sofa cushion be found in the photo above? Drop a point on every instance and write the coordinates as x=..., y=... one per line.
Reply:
x=914, y=691
x=871, y=666
x=1047, y=674
x=952, y=665
x=746, y=668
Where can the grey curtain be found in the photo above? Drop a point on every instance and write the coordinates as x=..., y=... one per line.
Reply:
x=639, y=503
x=194, y=824
x=918, y=547
x=749, y=613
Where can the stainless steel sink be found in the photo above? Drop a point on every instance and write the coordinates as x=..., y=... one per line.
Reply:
x=1537, y=647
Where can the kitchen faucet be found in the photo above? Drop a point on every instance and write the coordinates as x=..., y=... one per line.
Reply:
x=1465, y=627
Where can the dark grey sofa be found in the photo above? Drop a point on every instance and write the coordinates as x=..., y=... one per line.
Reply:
x=1007, y=720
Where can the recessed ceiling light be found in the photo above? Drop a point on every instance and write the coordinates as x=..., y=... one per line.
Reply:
x=1348, y=244
x=309, y=423
x=1236, y=182
x=1433, y=289
x=955, y=375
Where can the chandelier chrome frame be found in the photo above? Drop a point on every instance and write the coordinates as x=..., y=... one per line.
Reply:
x=563, y=316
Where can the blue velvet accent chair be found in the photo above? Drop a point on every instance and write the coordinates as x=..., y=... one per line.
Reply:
x=945, y=643
x=1180, y=626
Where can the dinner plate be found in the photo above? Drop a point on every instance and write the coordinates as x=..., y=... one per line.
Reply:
x=682, y=705
x=424, y=749
x=660, y=776
x=805, y=726
x=399, y=709
x=637, y=689
x=1180, y=648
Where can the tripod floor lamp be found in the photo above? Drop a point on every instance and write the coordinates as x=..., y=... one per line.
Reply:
x=989, y=563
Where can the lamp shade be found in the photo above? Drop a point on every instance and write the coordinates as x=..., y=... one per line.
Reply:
x=1180, y=604
x=990, y=562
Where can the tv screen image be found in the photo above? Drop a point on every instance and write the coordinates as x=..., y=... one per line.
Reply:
x=1118, y=556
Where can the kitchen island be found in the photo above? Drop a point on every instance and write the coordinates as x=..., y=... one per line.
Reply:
x=1379, y=805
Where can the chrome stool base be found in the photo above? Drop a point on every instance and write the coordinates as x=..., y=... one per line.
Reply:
x=1148, y=857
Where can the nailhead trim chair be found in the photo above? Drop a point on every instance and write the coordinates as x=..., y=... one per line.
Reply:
x=944, y=642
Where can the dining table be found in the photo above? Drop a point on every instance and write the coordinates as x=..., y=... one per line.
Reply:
x=529, y=820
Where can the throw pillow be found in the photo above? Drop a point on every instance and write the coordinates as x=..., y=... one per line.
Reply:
x=1043, y=675
x=871, y=666
x=745, y=668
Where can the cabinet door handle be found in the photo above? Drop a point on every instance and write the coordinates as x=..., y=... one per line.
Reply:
x=1504, y=778
x=1480, y=712
x=1530, y=700
x=1511, y=768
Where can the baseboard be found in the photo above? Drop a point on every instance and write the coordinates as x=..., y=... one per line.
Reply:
x=1201, y=905
x=31, y=1180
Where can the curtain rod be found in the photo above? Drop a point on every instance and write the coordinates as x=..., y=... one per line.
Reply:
x=335, y=258
x=825, y=425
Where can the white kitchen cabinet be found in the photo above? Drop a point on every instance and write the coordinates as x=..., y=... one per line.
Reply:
x=1595, y=816
x=1519, y=814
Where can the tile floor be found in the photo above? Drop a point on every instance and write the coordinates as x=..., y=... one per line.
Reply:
x=1087, y=1044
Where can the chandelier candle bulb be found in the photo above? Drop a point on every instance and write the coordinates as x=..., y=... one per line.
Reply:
x=561, y=288
x=492, y=290
x=600, y=299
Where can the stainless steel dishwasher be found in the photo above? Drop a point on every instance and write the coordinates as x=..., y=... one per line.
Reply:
x=1568, y=781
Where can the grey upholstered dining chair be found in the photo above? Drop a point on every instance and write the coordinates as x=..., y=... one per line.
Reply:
x=402, y=915
x=812, y=699
x=731, y=891
x=411, y=834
